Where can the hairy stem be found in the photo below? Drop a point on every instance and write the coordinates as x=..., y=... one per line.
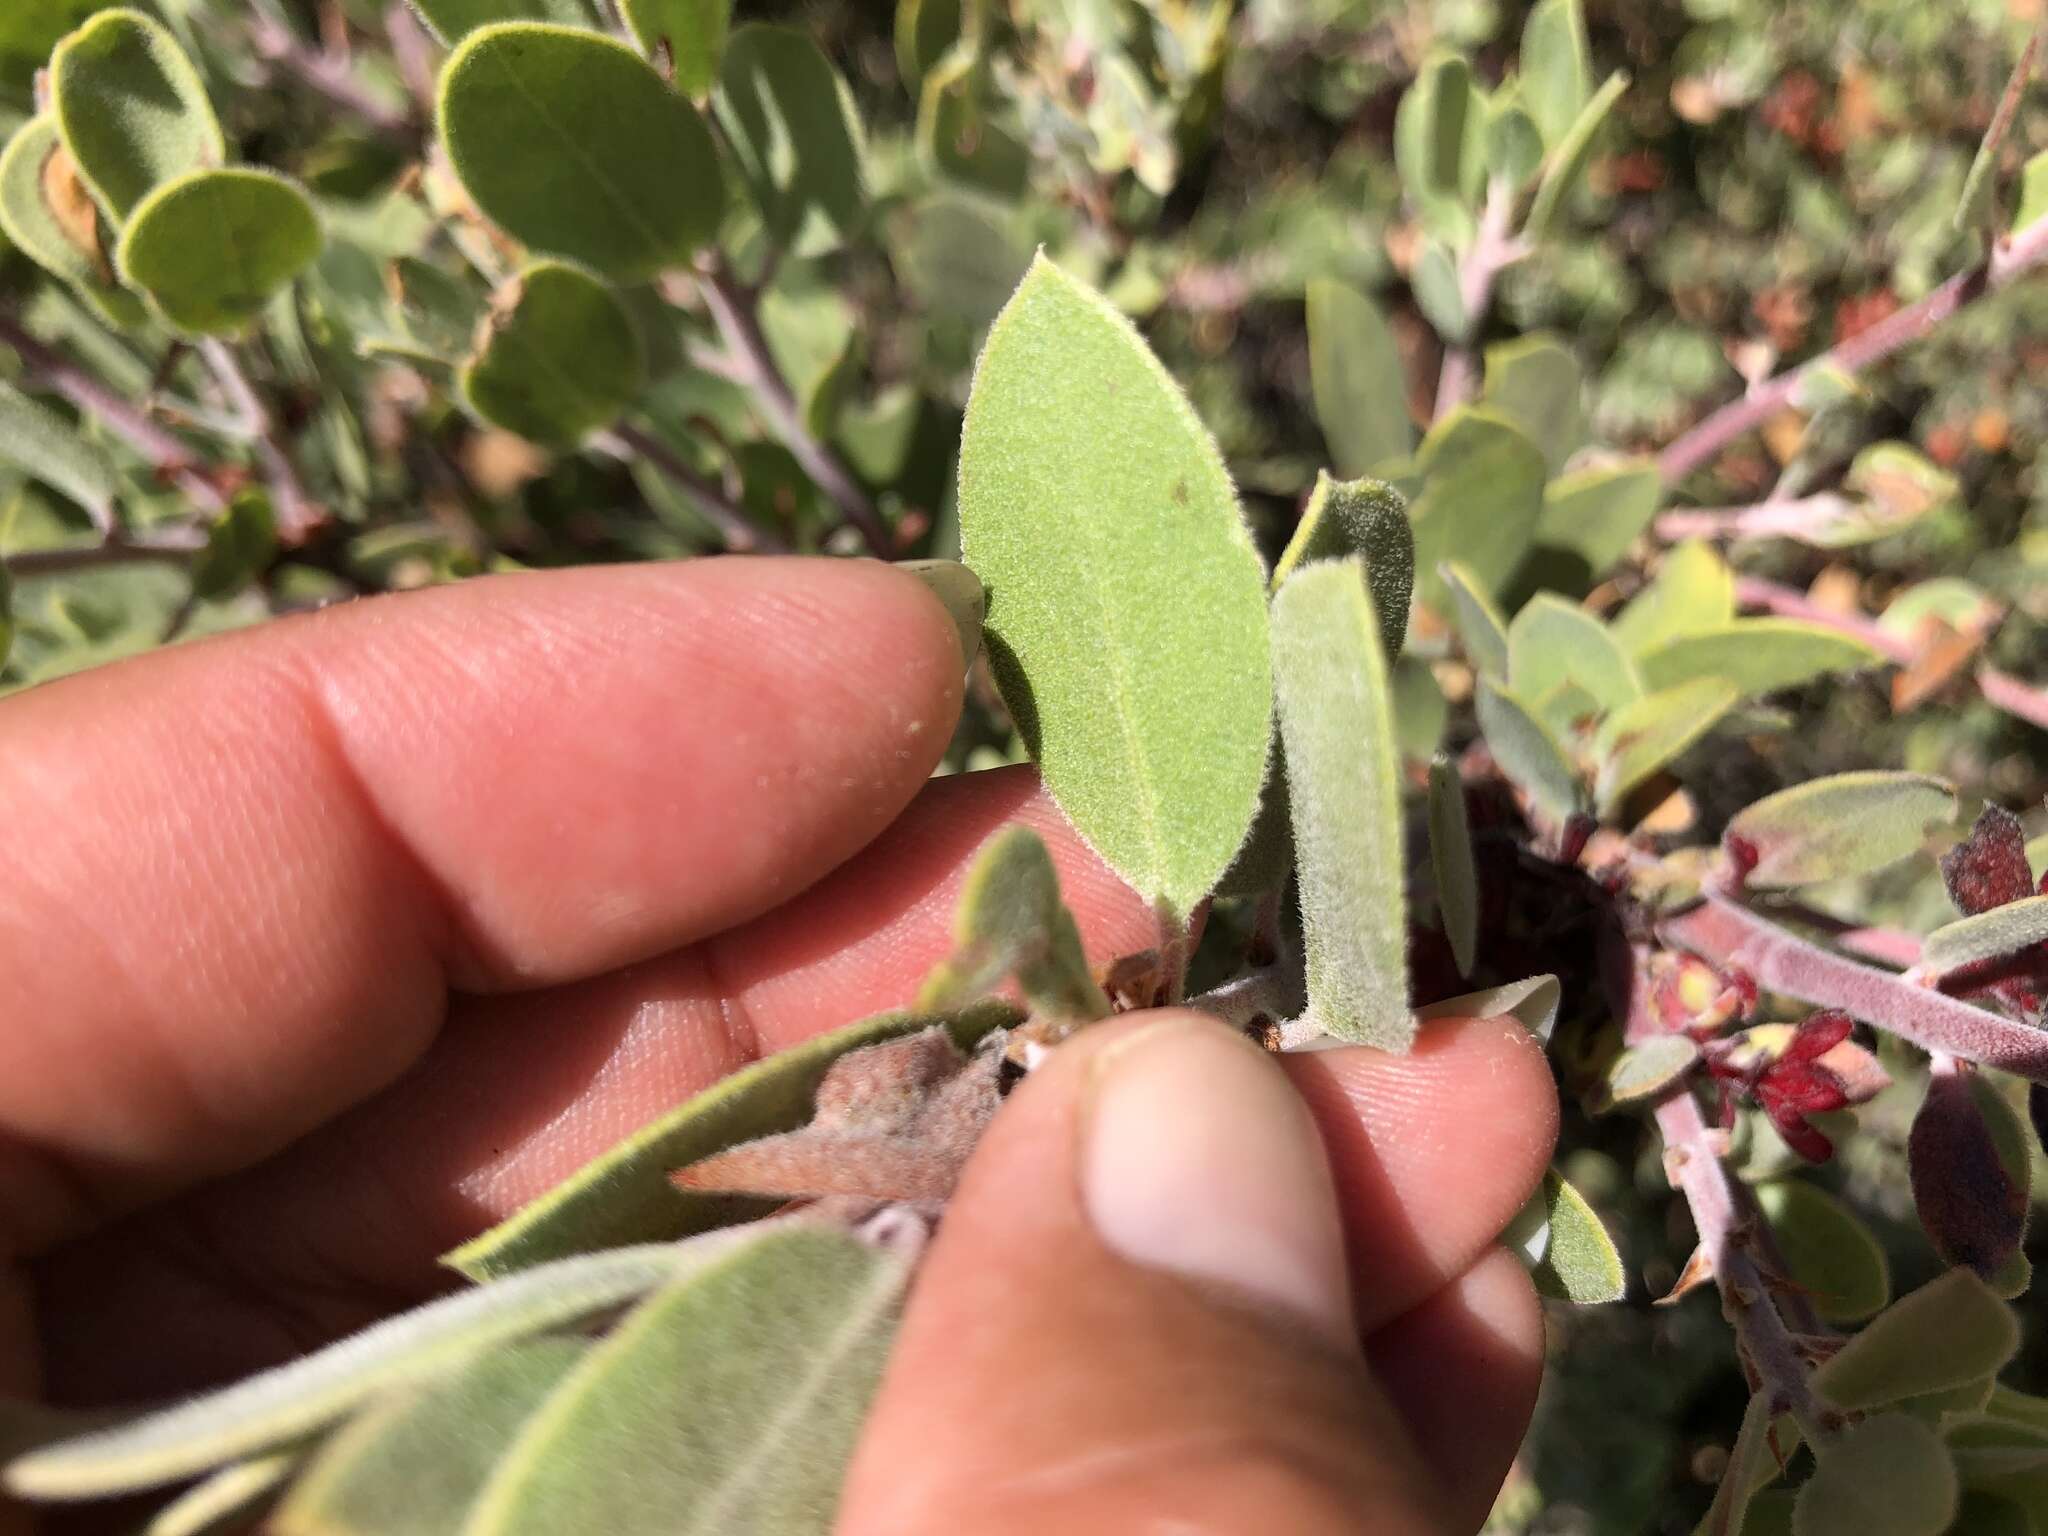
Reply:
x=740, y=535
x=297, y=513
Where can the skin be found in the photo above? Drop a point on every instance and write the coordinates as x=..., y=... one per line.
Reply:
x=325, y=945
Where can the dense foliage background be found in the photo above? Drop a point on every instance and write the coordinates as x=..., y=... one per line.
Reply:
x=1777, y=178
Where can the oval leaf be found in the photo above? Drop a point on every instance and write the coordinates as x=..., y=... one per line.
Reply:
x=1951, y=1331
x=1528, y=754
x=727, y=1403
x=1092, y=501
x=1481, y=629
x=228, y=1501
x=1343, y=784
x=1450, y=857
x=1640, y=738
x=46, y=447
x=1971, y=1162
x=131, y=108
x=1993, y=935
x=212, y=249
x=688, y=34
x=1847, y=824
x=1693, y=592
x=795, y=137
x=1537, y=383
x=558, y=359
x=1758, y=655
x=1012, y=922
x=1564, y=1242
x=46, y=211
x=1646, y=1070
x=1556, y=68
x=1553, y=642
x=1531, y=1002
x=1368, y=519
x=1361, y=396
x=1887, y=1476
x=453, y=20
x=1481, y=493
x=1591, y=516
x=1566, y=167
x=572, y=143
x=1829, y=1253
x=624, y=1196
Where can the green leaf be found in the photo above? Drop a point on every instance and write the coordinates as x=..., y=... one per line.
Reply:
x=1567, y=164
x=572, y=143
x=624, y=1195
x=50, y=217
x=961, y=257
x=926, y=31
x=1846, y=824
x=453, y=20
x=1564, y=1242
x=1982, y=180
x=291, y=1401
x=1420, y=710
x=211, y=250
x=1361, y=396
x=1991, y=935
x=1434, y=283
x=728, y=1403
x=1481, y=629
x=1644, y=1071
x=2033, y=191
x=1369, y=520
x=46, y=447
x=1343, y=783
x=1482, y=491
x=1594, y=515
x=1450, y=856
x=1436, y=127
x=1829, y=1253
x=1752, y=1458
x=1012, y=922
x=1553, y=642
x=794, y=135
x=1556, y=67
x=239, y=547
x=227, y=1501
x=1640, y=738
x=962, y=134
x=1092, y=501
x=28, y=31
x=1531, y=1002
x=412, y=1464
x=1536, y=382
x=692, y=33
x=1759, y=656
x=1528, y=754
x=1514, y=144
x=1887, y=1476
x=558, y=359
x=1951, y=1331
x=1693, y=592
x=131, y=108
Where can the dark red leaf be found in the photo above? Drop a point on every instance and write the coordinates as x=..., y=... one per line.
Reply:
x=1974, y=1213
x=1989, y=867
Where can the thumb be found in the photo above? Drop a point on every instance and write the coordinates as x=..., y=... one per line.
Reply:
x=1136, y=1316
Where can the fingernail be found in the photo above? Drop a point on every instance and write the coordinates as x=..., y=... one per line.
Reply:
x=961, y=591
x=1199, y=1158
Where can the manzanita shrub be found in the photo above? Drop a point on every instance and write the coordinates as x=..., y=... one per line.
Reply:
x=1447, y=738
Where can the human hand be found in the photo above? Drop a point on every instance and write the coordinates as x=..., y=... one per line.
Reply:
x=324, y=945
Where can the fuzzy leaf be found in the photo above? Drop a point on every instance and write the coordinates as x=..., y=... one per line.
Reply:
x=131, y=108
x=572, y=143
x=1343, y=783
x=1646, y=1070
x=1527, y=753
x=412, y=1464
x=1567, y=164
x=1552, y=642
x=1951, y=1331
x=1012, y=922
x=1092, y=501
x=239, y=546
x=1829, y=1253
x=558, y=359
x=453, y=20
x=1531, y=1002
x=624, y=1195
x=689, y=34
x=1366, y=518
x=1990, y=867
x=1450, y=856
x=1593, y=515
x=1434, y=285
x=962, y=258
x=227, y=1501
x=1846, y=824
x=1693, y=592
x=46, y=447
x=1563, y=1240
x=1640, y=738
x=1481, y=493
x=1970, y=1158
x=1758, y=655
x=1420, y=709
x=1481, y=629
x=1436, y=132
x=1514, y=144
x=214, y=248
x=1556, y=67
x=1991, y=935
x=294, y=1400
x=1361, y=396
x=1537, y=383
x=728, y=1403
x=794, y=135
x=50, y=217
x=1887, y=1476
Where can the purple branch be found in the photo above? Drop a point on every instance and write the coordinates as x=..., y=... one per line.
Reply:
x=740, y=535
x=1725, y=932
x=2015, y=697
x=331, y=75
x=169, y=547
x=1790, y=603
x=1493, y=250
x=297, y=513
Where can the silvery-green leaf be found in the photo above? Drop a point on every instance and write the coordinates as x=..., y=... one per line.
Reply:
x=1885, y=1476
x=1556, y=67
x=1531, y=1002
x=1420, y=709
x=1951, y=1331
x=1481, y=493
x=1481, y=629
x=624, y=1195
x=1437, y=135
x=27, y=34
x=1450, y=856
x=213, y=248
x=1514, y=144
x=961, y=257
x=1527, y=753
x=1566, y=166
x=227, y=1500
x=558, y=358
x=2033, y=191
x=1693, y=592
x=1641, y=737
x=46, y=447
x=1012, y=922
x=1645, y=1070
x=1536, y=382
x=1593, y=515
x=1991, y=935
x=1361, y=395
x=412, y=1464
x=1829, y=1253
x=1343, y=781
x=1368, y=519
x=1845, y=824
x=131, y=108
x=292, y=1401
x=50, y=217
x=1433, y=281
x=1758, y=655
x=1093, y=501
x=794, y=136
x=1566, y=1245
x=729, y=1403
x=1552, y=641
